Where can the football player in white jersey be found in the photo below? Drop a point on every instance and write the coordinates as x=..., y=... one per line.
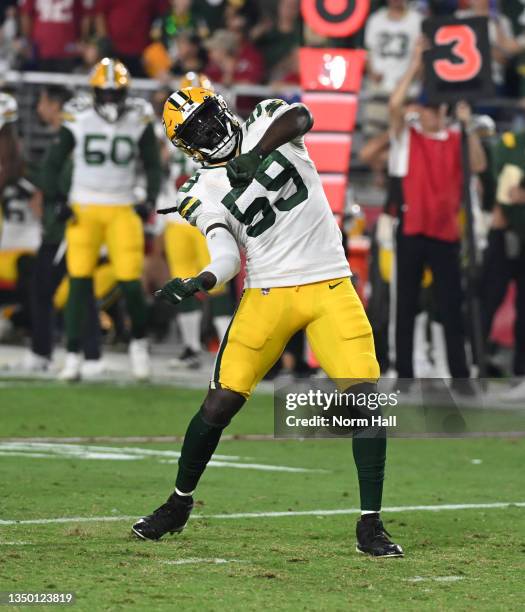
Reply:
x=186, y=250
x=107, y=137
x=258, y=190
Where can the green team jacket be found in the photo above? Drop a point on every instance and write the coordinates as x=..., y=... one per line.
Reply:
x=510, y=149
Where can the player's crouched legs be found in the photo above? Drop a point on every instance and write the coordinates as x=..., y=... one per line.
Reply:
x=369, y=450
x=201, y=440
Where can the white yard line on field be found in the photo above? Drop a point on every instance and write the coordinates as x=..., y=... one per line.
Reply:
x=125, y=453
x=196, y=560
x=248, y=515
x=434, y=578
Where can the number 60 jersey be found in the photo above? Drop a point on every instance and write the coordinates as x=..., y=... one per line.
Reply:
x=106, y=155
x=282, y=219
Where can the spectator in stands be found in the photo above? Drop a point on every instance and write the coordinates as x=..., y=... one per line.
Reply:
x=229, y=62
x=177, y=19
x=426, y=159
x=278, y=38
x=9, y=43
x=90, y=55
x=250, y=62
x=504, y=258
x=501, y=37
x=390, y=36
x=160, y=55
x=53, y=29
x=191, y=55
x=211, y=13
x=125, y=27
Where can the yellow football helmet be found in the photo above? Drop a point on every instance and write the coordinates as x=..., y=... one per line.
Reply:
x=195, y=79
x=199, y=122
x=110, y=81
x=8, y=109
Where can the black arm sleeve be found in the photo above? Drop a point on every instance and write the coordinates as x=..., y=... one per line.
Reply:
x=150, y=155
x=55, y=159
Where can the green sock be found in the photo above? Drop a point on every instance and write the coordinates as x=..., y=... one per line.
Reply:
x=75, y=313
x=136, y=305
x=370, y=457
x=200, y=442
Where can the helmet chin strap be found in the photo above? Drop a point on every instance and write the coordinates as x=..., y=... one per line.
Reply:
x=235, y=149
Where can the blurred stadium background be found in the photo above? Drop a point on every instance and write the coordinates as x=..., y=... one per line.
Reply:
x=250, y=51
x=79, y=462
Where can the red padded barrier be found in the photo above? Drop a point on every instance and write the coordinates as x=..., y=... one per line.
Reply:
x=332, y=112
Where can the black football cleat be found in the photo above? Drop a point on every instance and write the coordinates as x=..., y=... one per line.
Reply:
x=171, y=517
x=373, y=539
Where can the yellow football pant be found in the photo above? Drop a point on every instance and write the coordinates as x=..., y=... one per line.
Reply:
x=336, y=326
x=119, y=227
x=186, y=252
x=104, y=281
x=9, y=264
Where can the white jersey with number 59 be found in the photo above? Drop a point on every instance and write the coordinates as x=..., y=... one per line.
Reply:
x=282, y=219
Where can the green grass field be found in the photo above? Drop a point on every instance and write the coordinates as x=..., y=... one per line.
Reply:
x=460, y=559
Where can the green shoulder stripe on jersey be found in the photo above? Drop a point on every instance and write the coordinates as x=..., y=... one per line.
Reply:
x=257, y=112
x=188, y=207
x=273, y=106
x=270, y=109
x=191, y=182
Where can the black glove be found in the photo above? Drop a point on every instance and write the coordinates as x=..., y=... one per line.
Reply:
x=63, y=212
x=179, y=289
x=144, y=209
x=242, y=169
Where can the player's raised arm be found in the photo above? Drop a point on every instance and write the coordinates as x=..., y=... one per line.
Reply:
x=396, y=105
x=291, y=124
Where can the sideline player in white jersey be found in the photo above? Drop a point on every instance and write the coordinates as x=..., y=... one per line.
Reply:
x=107, y=137
x=258, y=190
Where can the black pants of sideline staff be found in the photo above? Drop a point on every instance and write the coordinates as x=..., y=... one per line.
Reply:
x=47, y=276
x=500, y=267
x=413, y=254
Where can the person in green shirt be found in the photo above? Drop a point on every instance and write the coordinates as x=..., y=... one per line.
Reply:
x=504, y=258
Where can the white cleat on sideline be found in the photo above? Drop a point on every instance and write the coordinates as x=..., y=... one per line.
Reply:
x=33, y=363
x=92, y=369
x=139, y=357
x=514, y=394
x=72, y=368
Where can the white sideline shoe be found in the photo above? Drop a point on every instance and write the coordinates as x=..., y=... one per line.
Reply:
x=72, y=368
x=514, y=394
x=32, y=363
x=92, y=369
x=139, y=357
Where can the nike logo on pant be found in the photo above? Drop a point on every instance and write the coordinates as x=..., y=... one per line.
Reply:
x=334, y=286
